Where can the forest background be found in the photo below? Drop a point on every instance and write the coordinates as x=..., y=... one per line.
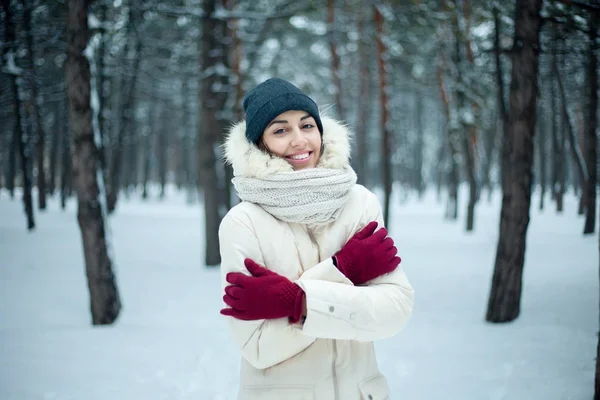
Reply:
x=100, y=99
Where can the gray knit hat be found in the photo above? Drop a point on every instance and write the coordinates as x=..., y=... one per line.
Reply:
x=271, y=98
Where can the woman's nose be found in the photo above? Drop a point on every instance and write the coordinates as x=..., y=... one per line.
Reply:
x=299, y=139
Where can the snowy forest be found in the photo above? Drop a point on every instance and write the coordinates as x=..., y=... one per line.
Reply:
x=482, y=113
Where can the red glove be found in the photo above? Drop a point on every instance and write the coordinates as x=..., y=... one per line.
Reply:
x=264, y=295
x=367, y=255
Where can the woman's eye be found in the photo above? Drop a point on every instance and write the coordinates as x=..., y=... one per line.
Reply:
x=308, y=126
x=279, y=131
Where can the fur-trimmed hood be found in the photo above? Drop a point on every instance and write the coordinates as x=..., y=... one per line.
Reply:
x=251, y=162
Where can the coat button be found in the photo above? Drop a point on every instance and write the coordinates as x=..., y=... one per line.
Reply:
x=370, y=397
x=331, y=308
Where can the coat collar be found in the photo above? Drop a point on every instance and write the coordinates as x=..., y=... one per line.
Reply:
x=249, y=161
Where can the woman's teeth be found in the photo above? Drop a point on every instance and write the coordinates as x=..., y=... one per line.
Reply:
x=300, y=156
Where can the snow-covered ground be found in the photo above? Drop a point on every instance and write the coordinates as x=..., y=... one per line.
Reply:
x=171, y=343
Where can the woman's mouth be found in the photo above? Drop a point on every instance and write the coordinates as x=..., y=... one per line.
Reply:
x=300, y=158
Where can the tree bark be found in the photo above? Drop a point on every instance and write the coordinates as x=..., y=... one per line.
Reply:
x=105, y=302
x=363, y=97
x=384, y=120
x=541, y=146
x=19, y=137
x=441, y=161
x=184, y=173
x=418, y=181
x=505, y=295
x=55, y=143
x=101, y=91
x=452, y=153
x=577, y=157
x=40, y=136
x=558, y=167
x=11, y=169
x=335, y=57
x=163, y=153
x=597, y=374
x=591, y=141
x=236, y=57
x=127, y=111
x=148, y=139
x=488, y=149
x=66, y=176
x=502, y=111
x=212, y=101
x=466, y=128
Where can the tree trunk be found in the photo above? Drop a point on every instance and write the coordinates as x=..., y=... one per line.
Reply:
x=101, y=92
x=19, y=138
x=469, y=136
x=335, y=57
x=105, y=302
x=452, y=153
x=184, y=173
x=147, y=163
x=558, y=167
x=577, y=157
x=384, y=120
x=11, y=170
x=597, y=374
x=591, y=141
x=55, y=145
x=363, y=97
x=505, y=296
x=148, y=139
x=466, y=128
x=66, y=176
x=453, y=182
x=541, y=146
x=468, y=150
x=163, y=152
x=236, y=58
x=211, y=104
x=419, y=183
x=35, y=102
x=127, y=110
x=441, y=162
x=26, y=173
x=131, y=166
x=502, y=111
x=488, y=149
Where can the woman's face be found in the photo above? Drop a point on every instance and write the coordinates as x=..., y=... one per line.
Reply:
x=294, y=136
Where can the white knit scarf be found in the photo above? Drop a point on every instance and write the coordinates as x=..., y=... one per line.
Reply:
x=310, y=196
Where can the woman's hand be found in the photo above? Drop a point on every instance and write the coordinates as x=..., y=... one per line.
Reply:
x=264, y=295
x=367, y=255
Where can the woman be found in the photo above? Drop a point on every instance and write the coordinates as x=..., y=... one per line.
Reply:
x=309, y=280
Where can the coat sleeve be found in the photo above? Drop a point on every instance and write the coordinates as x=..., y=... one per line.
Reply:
x=363, y=313
x=263, y=343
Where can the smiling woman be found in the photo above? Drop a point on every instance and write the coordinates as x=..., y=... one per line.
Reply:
x=309, y=281
x=294, y=136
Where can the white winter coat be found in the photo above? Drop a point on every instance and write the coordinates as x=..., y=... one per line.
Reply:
x=331, y=355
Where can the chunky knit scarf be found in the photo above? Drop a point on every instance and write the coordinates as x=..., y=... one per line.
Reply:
x=310, y=196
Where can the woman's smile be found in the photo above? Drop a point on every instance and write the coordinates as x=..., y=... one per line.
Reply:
x=300, y=158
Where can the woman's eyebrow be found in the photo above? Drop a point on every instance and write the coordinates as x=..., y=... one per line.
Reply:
x=278, y=121
x=306, y=116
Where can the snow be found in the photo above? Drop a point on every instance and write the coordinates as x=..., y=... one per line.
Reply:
x=171, y=343
x=483, y=30
x=94, y=22
x=11, y=67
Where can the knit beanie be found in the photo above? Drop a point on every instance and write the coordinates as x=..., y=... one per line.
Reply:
x=271, y=98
